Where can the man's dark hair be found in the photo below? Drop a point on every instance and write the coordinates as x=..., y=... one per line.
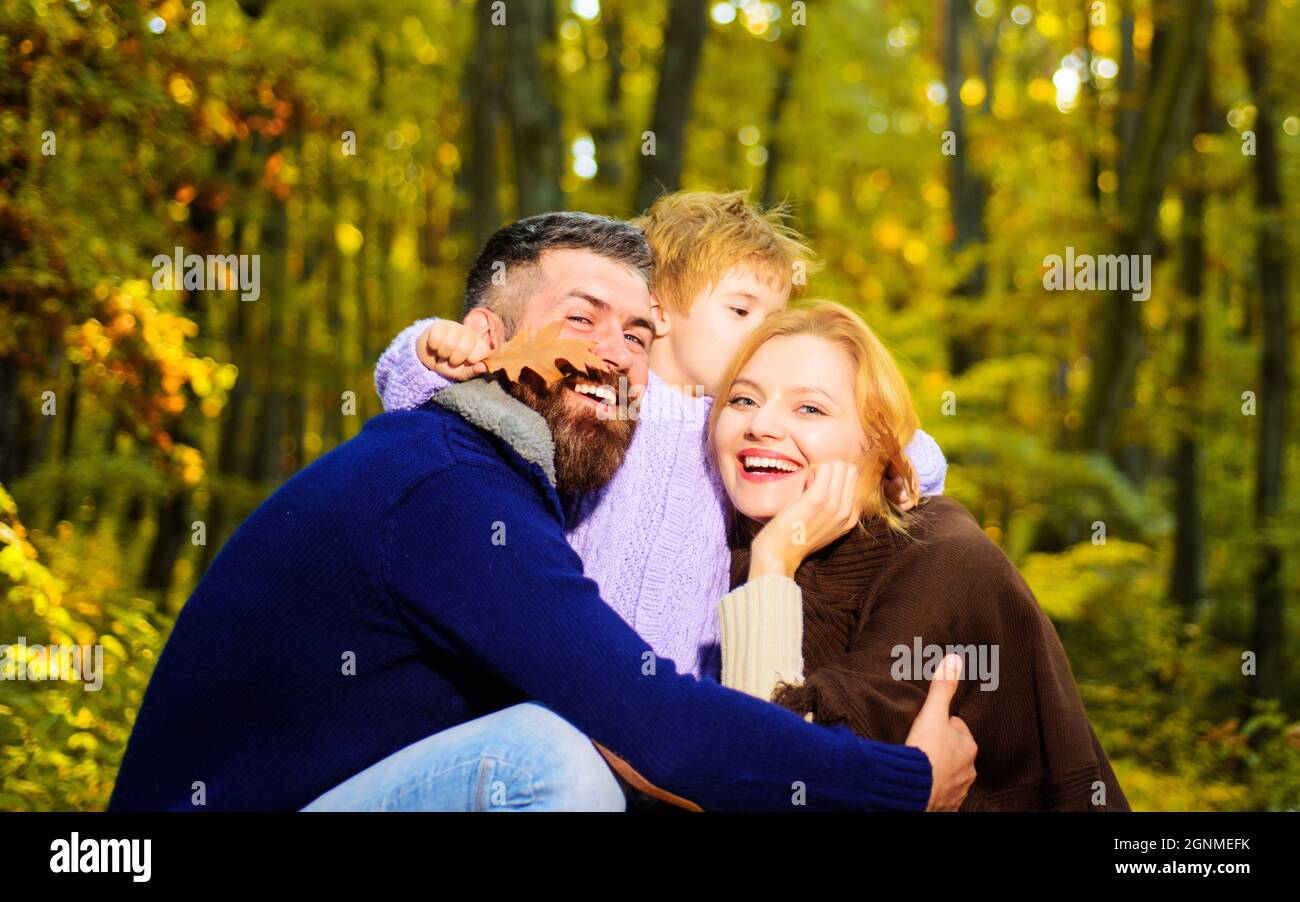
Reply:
x=520, y=245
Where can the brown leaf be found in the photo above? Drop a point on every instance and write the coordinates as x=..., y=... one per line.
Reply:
x=540, y=352
x=637, y=781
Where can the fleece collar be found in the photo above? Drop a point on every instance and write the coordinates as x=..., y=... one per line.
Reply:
x=484, y=403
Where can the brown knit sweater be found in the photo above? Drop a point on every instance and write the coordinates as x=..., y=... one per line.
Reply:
x=868, y=596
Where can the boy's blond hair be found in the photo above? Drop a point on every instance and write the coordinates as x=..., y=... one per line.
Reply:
x=698, y=236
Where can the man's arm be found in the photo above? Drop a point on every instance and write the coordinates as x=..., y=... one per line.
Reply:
x=509, y=592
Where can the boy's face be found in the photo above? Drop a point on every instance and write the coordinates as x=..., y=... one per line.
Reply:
x=704, y=340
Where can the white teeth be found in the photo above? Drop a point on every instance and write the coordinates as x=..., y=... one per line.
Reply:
x=603, y=392
x=770, y=463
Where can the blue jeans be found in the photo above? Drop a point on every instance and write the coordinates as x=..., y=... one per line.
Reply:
x=521, y=758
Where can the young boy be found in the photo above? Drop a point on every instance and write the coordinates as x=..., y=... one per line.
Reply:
x=655, y=538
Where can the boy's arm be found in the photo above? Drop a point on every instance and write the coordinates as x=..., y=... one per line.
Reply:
x=525, y=611
x=401, y=378
x=931, y=466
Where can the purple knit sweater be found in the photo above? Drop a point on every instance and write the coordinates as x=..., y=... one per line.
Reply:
x=655, y=538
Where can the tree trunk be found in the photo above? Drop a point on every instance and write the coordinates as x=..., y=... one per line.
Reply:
x=1117, y=344
x=1187, y=577
x=966, y=187
x=662, y=171
x=534, y=119
x=1126, y=116
x=13, y=426
x=609, y=137
x=66, y=504
x=780, y=98
x=483, y=77
x=230, y=430
x=167, y=544
x=270, y=420
x=1274, y=378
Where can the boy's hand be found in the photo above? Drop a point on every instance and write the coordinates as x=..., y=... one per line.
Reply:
x=453, y=350
x=896, y=489
x=827, y=509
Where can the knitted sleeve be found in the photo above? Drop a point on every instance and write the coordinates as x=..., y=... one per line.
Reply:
x=931, y=466
x=401, y=378
x=762, y=635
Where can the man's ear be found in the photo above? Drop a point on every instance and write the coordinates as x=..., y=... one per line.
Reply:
x=662, y=318
x=487, y=324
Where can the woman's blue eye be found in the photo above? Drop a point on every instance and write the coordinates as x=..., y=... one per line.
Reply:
x=810, y=407
x=738, y=399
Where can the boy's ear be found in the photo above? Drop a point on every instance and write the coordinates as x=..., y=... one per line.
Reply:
x=487, y=324
x=662, y=318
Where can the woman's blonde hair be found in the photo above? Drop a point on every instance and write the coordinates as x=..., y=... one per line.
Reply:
x=883, y=401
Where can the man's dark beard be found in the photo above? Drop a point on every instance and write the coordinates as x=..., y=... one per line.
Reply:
x=588, y=449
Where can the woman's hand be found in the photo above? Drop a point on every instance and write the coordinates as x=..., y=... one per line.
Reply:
x=827, y=509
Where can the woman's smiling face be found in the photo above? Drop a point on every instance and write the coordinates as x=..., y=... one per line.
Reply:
x=791, y=406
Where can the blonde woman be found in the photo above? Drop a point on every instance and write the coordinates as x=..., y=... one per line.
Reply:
x=811, y=399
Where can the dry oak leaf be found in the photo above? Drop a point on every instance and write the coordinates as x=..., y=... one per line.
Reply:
x=540, y=352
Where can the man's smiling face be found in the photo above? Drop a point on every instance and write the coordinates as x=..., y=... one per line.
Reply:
x=601, y=301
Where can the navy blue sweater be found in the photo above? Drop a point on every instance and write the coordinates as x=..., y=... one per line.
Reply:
x=433, y=554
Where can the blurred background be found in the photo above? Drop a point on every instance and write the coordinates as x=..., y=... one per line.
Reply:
x=1137, y=461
